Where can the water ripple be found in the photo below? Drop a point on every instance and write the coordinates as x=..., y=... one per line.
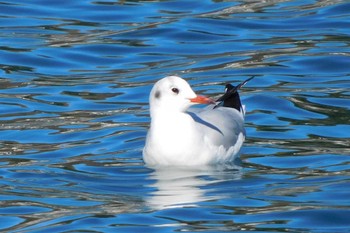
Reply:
x=74, y=83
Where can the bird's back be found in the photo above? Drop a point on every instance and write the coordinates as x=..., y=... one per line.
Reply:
x=222, y=129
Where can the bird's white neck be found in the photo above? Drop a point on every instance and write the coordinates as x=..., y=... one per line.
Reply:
x=169, y=118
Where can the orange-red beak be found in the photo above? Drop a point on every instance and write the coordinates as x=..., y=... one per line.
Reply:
x=202, y=100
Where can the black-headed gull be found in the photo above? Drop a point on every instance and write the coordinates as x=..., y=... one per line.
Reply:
x=179, y=136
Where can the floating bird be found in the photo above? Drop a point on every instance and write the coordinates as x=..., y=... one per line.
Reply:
x=184, y=136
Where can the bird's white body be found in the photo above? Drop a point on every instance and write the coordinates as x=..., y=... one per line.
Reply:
x=179, y=136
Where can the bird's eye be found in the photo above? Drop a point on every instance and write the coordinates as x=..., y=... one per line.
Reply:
x=175, y=90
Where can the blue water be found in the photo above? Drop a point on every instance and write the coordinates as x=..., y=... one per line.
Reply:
x=74, y=83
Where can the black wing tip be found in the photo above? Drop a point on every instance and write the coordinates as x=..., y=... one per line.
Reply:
x=229, y=86
x=231, y=97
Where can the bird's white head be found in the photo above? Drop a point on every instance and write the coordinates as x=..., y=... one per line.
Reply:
x=173, y=93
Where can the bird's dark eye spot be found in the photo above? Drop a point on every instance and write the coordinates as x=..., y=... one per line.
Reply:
x=175, y=90
x=157, y=94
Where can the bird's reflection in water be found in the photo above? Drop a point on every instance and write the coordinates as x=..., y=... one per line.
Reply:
x=186, y=187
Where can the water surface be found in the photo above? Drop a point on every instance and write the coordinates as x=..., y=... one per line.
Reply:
x=74, y=83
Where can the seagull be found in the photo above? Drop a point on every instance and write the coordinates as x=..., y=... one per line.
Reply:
x=184, y=136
